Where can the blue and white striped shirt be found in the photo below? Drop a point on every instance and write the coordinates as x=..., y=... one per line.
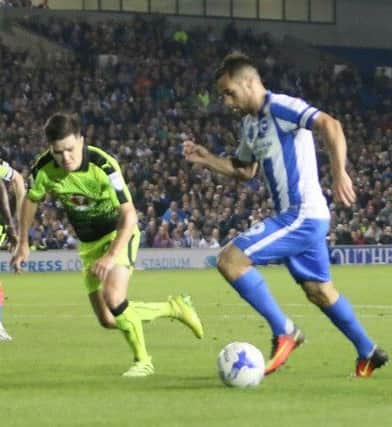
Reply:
x=280, y=139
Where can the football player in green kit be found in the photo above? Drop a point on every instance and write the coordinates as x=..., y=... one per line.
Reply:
x=89, y=184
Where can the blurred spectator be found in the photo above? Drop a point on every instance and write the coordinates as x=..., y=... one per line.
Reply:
x=343, y=235
x=178, y=239
x=162, y=238
x=386, y=236
x=209, y=241
x=180, y=36
x=372, y=234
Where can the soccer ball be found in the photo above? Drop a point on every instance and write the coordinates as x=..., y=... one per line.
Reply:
x=241, y=364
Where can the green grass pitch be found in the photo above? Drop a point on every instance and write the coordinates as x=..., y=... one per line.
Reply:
x=62, y=369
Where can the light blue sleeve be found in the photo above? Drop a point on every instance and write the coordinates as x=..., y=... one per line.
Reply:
x=292, y=113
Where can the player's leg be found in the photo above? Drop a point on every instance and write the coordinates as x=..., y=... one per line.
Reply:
x=109, y=300
x=341, y=313
x=113, y=311
x=4, y=336
x=179, y=307
x=270, y=240
x=115, y=295
x=249, y=283
x=101, y=310
x=238, y=270
x=311, y=271
x=111, y=307
x=274, y=239
x=278, y=238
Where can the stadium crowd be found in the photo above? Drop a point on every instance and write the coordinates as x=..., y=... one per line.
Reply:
x=23, y=3
x=142, y=87
x=15, y=3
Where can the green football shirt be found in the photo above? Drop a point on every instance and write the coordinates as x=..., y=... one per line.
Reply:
x=90, y=195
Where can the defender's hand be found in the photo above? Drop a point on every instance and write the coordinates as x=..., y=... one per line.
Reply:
x=12, y=238
x=21, y=254
x=102, y=267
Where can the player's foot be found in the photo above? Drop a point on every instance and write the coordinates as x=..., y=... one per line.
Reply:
x=4, y=335
x=365, y=367
x=282, y=346
x=142, y=368
x=185, y=312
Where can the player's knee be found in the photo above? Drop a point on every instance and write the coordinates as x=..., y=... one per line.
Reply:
x=232, y=263
x=227, y=260
x=323, y=295
x=223, y=260
x=106, y=322
x=112, y=297
x=314, y=296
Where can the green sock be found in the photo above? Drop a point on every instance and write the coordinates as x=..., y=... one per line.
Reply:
x=131, y=326
x=148, y=311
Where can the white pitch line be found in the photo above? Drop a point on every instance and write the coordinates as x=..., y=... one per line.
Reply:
x=378, y=306
x=209, y=304
x=220, y=317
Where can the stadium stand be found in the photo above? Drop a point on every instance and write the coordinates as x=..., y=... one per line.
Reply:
x=143, y=86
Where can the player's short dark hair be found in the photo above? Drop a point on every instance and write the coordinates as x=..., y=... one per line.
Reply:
x=61, y=125
x=232, y=64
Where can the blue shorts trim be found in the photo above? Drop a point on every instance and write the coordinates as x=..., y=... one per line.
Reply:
x=297, y=241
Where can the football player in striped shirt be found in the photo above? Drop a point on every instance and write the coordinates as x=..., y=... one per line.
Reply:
x=276, y=140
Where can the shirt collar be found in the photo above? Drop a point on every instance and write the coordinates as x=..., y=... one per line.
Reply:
x=85, y=160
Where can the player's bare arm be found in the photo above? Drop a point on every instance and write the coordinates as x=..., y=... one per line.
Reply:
x=22, y=251
x=19, y=189
x=125, y=230
x=332, y=133
x=196, y=153
x=17, y=183
x=6, y=214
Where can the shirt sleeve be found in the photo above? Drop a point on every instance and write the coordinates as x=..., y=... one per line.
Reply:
x=116, y=181
x=6, y=171
x=37, y=186
x=293, y=113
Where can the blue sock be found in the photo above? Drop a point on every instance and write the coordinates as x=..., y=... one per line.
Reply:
x=254, y=290
x=343, y=317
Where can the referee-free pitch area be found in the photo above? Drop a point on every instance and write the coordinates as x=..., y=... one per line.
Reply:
x=62, y=369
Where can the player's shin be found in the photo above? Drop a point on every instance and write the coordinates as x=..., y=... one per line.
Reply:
x=343, y=317
x=252, y=287
x=128, y=321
